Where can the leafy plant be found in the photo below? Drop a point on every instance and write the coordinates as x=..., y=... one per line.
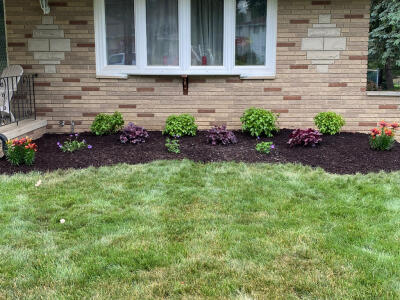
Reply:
x=178, y=126
x=107, y=124
x=134, y=134
x=72, y=144
x=383, y=138
x=21, y=151
x=259, y=121
x=329, y=122
x=173, y=146
x=265, y=147
x=305, y=137
x=220, y=135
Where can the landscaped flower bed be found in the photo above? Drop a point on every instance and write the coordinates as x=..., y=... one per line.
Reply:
x=344, y=153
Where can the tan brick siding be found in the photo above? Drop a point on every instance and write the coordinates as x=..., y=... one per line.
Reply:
x=297, y=93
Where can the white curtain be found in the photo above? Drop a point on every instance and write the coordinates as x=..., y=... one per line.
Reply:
x=162, y=32
x=251, y=26
x=207, y=30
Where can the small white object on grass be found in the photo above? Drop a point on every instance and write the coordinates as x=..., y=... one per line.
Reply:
x=38, y=183
x=62, y=221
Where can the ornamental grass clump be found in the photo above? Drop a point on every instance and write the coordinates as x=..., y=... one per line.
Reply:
x=259, y=122
x=221, y=135
x=134, y=134
x=382, y=138
x=107, y=124
x=309, y=137
x=21, y=151
x=182, y=125
x=329, y=122
x=73, y=144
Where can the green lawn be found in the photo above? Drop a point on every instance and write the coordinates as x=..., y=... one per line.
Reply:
x=186, y=230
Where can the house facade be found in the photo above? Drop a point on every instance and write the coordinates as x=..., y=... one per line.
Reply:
x=149, y=59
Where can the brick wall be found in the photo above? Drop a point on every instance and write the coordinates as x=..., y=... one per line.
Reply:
x=310, y=78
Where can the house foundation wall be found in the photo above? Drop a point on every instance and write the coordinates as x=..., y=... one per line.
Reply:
x=322, y=53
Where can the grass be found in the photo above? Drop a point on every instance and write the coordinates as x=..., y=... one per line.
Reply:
x=186, y=230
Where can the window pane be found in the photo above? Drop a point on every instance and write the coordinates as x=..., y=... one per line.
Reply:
x=207, y=18
x=251, y=25
x=162, y=32
x=120, y=27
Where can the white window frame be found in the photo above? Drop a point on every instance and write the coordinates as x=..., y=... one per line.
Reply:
x=185, y=68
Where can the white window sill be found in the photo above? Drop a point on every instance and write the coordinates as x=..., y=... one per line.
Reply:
x=111, y=76
x=241, y=76
x=383, y=94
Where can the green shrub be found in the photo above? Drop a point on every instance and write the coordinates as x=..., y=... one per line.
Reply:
x=173, y=146
x=259, y=121
x=105, y=124
x=329, y=122
x=178, y=126
x=265, y=147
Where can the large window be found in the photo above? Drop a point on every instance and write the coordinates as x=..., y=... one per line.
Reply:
x=186, y=37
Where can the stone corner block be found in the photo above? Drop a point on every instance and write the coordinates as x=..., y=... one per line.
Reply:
x=312, y=44
x=324, y=32
x=51, y=69
x=323, y=69
x=63, y=45
x=318, y=55
x=38, y=45
x=49, y=55
x=323, y=62
x=324, y=19
x=48, y=33
x=47, y=20
x=335, y=43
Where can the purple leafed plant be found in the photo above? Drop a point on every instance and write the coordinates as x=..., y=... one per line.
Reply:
x=134, y=134
x=309, y=137
x=220, y=135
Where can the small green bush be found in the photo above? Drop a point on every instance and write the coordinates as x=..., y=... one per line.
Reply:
x=265, y=147
x=259, y=121
x=105, y=124
x=178, y=126
x=173, y=146
x=329, y=122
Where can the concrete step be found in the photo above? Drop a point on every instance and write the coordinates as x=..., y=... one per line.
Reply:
x=32, y=128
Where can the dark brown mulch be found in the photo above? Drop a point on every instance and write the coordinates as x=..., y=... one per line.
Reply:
x=346, y=153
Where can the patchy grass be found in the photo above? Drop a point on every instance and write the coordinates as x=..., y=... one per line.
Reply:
x=187, y=230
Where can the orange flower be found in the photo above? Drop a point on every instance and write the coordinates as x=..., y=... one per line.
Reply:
x=375, y=131
x=388, y=132
x=383, y=124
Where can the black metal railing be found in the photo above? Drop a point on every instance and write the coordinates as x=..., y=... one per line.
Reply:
x=17, y=99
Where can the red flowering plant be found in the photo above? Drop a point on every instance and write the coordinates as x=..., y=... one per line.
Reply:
x=382, y=138
x=21, y=151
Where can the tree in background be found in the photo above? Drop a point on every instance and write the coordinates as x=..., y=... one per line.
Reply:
x=384, y=39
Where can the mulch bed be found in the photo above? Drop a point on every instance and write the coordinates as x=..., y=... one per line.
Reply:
x=346, y=153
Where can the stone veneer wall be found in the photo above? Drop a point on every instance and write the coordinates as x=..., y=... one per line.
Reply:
x=321, y=65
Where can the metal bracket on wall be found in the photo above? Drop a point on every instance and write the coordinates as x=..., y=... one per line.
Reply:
x=185, y=83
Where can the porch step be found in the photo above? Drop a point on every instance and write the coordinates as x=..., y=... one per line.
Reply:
x=32, y=128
